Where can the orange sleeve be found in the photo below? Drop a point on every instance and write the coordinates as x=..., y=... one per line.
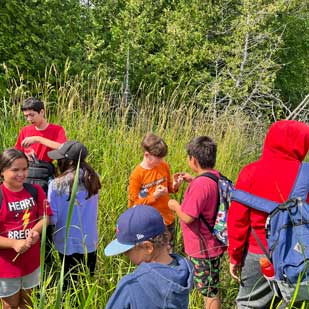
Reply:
x=134, y=189
x=169, y=180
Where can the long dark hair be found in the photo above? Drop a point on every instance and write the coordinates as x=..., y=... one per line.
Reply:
x=7, y=157
x=90, y=178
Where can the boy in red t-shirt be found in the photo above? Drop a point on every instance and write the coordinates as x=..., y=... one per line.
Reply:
x=39, y=137
x=201, y=198
x=36, y=140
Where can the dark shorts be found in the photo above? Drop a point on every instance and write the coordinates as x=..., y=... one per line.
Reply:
x=206, y=275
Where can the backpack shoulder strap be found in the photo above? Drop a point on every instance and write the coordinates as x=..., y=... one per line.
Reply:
x=254, y=201
x=209, y=175
x=32, y=190
x=210, y=228
x=301, y=185
x=300, y=189
x=215, y=179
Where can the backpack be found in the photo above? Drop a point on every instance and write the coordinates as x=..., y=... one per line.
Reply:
x=287, y=232
x=29, y=187
x=225, y=189
x=40, y=172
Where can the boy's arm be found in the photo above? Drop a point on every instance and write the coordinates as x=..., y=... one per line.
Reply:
x=134, y=189
x=58, y=139
x=238, y=223
x=172, y=188
x=19, y=141
x=175, y=206
x=28, y=141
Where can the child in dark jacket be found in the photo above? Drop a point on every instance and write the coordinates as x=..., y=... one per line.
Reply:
x=161, y=280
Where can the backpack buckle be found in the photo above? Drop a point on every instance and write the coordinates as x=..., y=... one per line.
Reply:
x=293, y=202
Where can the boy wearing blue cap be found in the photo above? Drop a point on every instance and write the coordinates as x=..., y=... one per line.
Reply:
x=161, y=280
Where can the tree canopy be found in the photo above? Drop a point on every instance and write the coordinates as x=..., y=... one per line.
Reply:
x=225, y=53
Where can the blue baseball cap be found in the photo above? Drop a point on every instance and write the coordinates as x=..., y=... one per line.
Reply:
x=135, y=225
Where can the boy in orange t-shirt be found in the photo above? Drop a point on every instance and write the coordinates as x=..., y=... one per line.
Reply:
x=151, y=182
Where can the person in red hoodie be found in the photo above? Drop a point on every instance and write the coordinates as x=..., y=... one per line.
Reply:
x=271, y=177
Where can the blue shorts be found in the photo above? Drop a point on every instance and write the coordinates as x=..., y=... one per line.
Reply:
x=11, y=286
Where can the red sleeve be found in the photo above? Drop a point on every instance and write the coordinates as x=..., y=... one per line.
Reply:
x=43, y=205
x=61, y=137
x=19, y=140
x=194, y=199
x=238, y=222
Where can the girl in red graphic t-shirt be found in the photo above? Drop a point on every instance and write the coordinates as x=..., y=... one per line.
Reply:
x=21, y=223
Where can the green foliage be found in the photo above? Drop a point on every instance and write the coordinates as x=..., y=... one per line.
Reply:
x=293, y=78
x=36, y=34
x=67, y=228
x=220, y=53
x=224, y=51
x=42, y=264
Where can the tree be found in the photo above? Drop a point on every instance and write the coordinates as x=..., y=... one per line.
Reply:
x=35, y=34
x=225, y=51
x=293, y=78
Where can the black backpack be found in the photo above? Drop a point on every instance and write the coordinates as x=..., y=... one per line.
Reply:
x=29, y=187
x=40, y=172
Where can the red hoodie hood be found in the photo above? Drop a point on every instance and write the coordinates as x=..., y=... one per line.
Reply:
x=287, y=139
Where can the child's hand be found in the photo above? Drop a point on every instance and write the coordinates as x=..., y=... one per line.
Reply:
x=187, y=177
x=160, y=190
x=177, y=181
x=33, y=237
x=235, y=270
x=178, y=177
x=28, y=141
x=21, y=245
x=172, y=204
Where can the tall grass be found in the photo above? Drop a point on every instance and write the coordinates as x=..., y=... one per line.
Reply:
x=112, y=132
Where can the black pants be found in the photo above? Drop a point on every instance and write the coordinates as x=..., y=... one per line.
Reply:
x=49, y=245
x=76, y=263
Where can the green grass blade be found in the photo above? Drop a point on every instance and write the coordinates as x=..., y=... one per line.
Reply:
x=68, y=223
x=42, y=262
